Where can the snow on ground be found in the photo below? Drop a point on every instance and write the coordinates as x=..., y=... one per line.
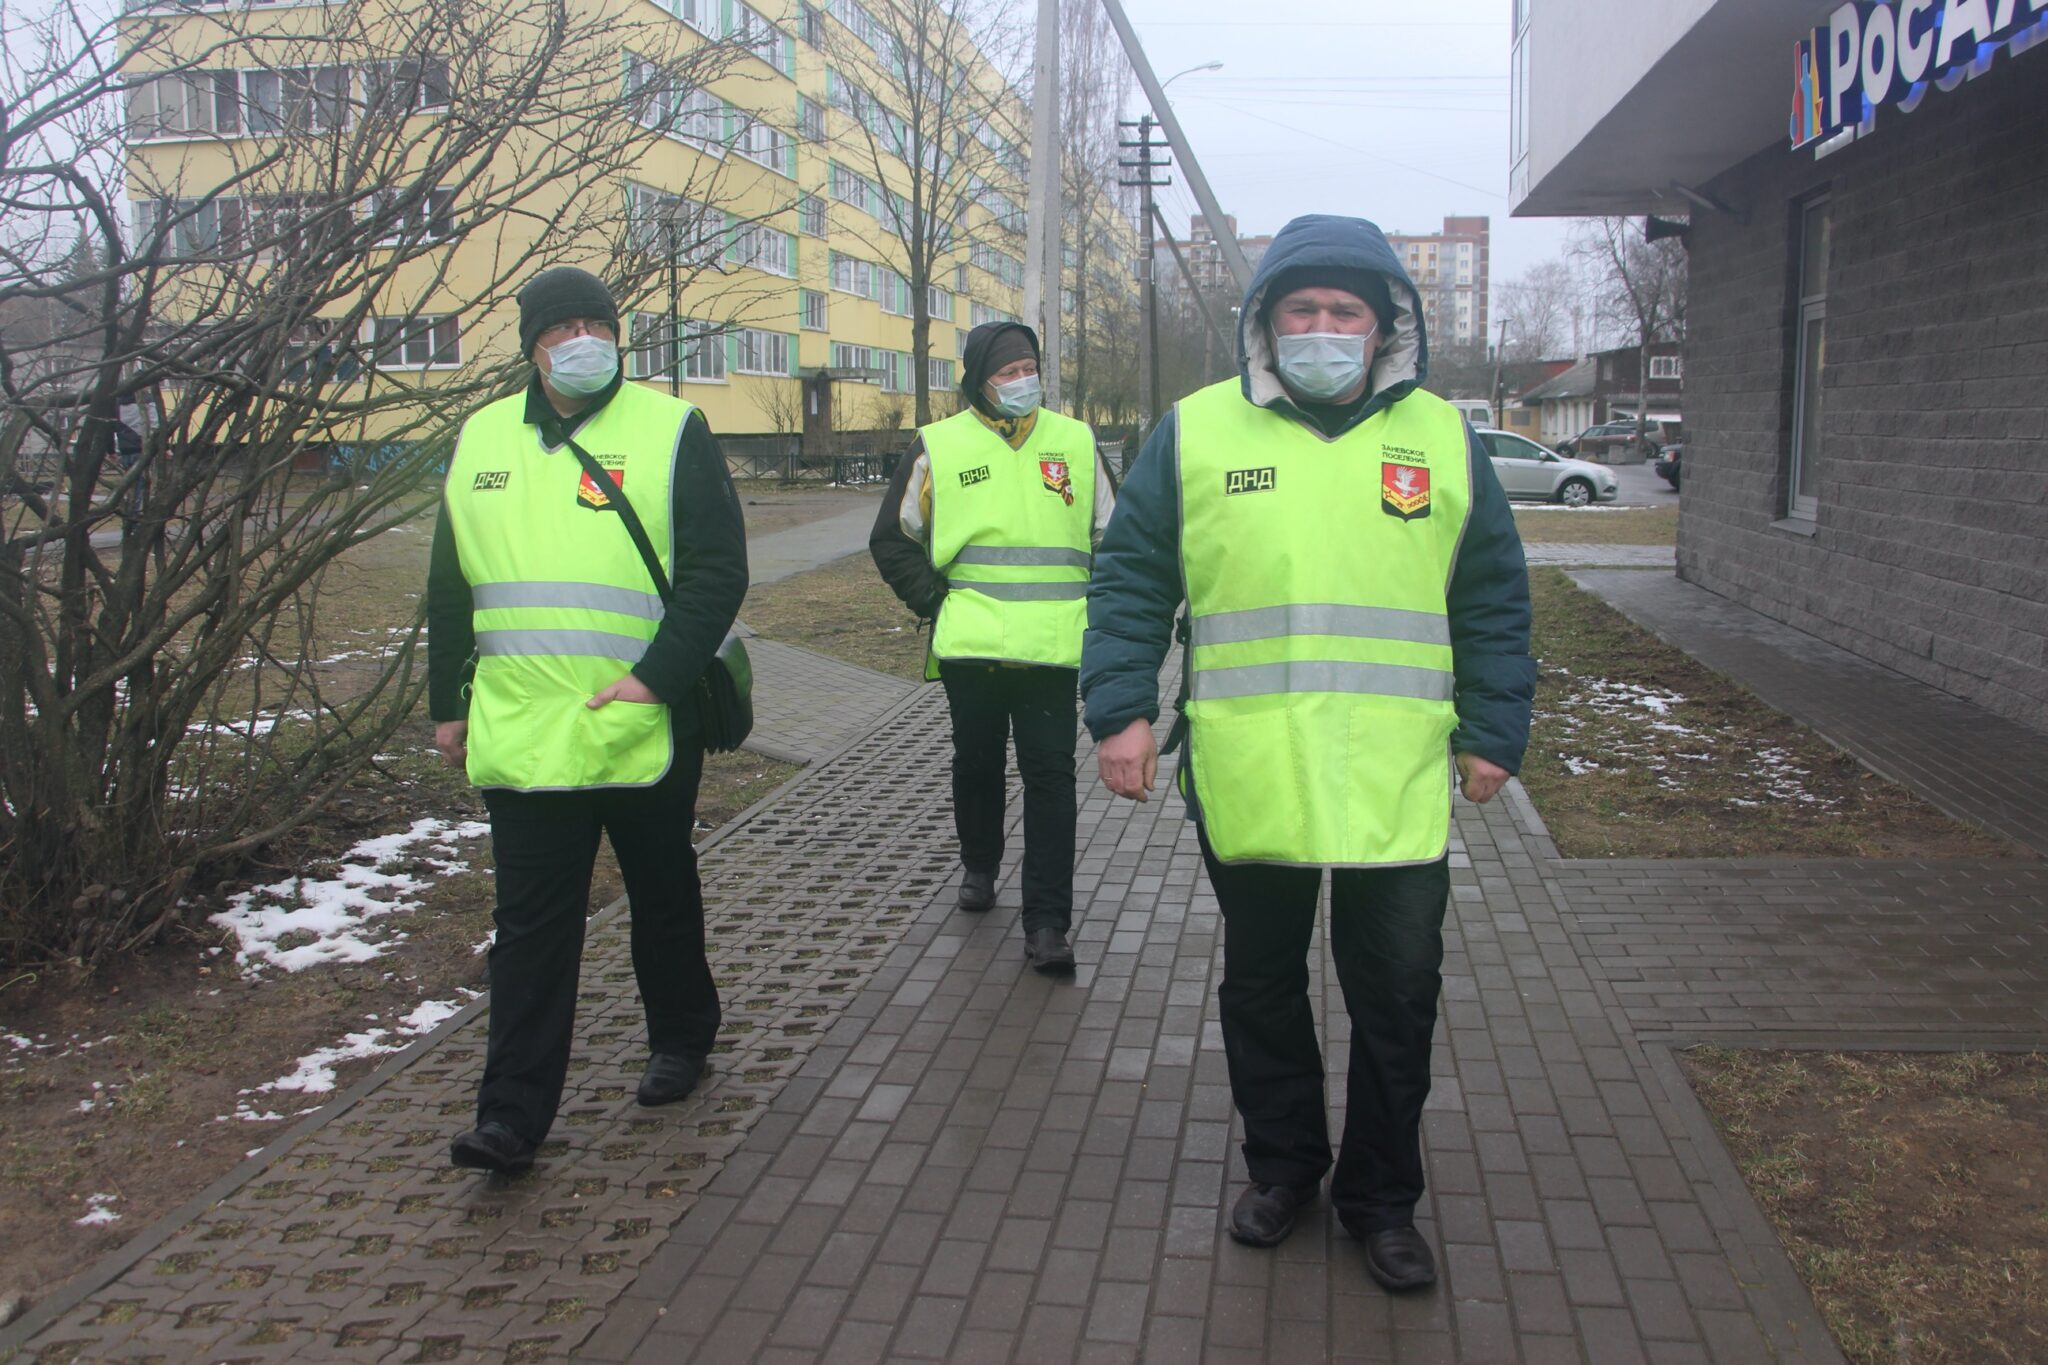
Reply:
x=330, y=920
x=314, y=1073
x=1653, y=707
x=98, y=1211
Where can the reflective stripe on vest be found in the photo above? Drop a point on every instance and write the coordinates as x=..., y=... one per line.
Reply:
x=562, y=603
x=1011, y=532
x=1319, y=654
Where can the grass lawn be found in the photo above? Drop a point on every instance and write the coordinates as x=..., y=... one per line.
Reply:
x=1638, y=751
x=1911, y=1191
x=1598, y=525
x=844, y=610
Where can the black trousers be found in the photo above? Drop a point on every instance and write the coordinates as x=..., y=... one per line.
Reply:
x=545, y=844
x=989, y=705
x=1386, y=936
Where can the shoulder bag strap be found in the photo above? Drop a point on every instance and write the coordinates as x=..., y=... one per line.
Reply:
x=616, y=496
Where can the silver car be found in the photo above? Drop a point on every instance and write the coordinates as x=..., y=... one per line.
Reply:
x=1528, y=470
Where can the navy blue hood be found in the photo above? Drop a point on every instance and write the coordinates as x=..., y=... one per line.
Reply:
x=1327, y=240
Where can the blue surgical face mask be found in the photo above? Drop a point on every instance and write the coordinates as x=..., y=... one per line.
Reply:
x=1322, y=366
x=582, y=365
x=1019, y=397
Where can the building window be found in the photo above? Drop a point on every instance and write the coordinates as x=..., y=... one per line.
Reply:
x=810, y=216
x=701, y=15
x=939, y=303
x=1810, y=345
x=810, y=120
x=895, y=293
x=767, y=249
x=938, y=373
x=429, y=340
x=851, y=275
x=409, y=83
x=811, y=25
x=759, y=352
x=1665, y=367
x=811, y=307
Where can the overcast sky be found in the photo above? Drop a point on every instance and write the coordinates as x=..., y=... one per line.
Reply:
x=1393, y=110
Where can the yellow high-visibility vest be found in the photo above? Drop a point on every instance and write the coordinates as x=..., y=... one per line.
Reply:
x=563, y=602
x=1011, y=532
x=1319, y=653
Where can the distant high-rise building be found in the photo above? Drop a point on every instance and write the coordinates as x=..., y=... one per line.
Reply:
x=1451, y=273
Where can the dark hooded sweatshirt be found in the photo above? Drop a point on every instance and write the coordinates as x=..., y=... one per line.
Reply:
x=1137, y=588
x=903, y=526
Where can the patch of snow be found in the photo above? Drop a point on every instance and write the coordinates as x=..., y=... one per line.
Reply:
x=315, y=1073
x=1580, y=766
x=98, y=1213
x=337, y=911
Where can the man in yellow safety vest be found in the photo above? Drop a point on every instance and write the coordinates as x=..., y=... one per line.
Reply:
x=577, y=720
x=1358, y=641
x=989, y=526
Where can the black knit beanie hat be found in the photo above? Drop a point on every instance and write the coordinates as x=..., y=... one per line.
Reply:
x=1366, y=284
x=559, y=295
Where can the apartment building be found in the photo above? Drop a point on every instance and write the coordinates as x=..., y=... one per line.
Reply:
x=754, y=231
x=1451, y=271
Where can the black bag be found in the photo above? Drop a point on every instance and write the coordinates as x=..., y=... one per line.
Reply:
x=724, y=694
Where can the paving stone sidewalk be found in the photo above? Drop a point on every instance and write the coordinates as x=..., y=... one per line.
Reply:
x=777, y=555
x=979, y=1163
x=807, y=706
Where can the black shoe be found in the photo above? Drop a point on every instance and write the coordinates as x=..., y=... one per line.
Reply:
x=978, y=891
x=492, y=1147
x=670, y=1076
x=1048, y=951
x=1264, y=1214
x=1398, y=1258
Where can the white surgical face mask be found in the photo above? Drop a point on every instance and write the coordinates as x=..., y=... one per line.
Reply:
x=1019, y=396
x=582, y=365
x=1322, y=366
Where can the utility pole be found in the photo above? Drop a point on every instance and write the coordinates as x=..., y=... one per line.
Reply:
x=1233, y=254
x=1044, y=213
x=1149, y=338
x=1494, y=399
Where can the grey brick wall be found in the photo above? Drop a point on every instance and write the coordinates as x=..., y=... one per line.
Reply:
x=1930, y=550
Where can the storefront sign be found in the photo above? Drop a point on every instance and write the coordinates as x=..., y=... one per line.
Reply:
x=1872, y=53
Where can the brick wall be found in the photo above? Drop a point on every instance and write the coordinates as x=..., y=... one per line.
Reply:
x=1930, y=549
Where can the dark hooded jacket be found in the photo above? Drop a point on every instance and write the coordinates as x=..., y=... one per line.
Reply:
x=1136, y=590
x=897, y=542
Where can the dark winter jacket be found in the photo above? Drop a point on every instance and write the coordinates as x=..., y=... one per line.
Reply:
x=1136, y=589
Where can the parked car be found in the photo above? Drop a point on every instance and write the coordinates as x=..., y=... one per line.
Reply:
x=1607, y=440
x=1528, y=470
x=1667, y=467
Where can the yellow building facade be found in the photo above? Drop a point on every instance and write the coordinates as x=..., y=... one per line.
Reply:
x=731, y=169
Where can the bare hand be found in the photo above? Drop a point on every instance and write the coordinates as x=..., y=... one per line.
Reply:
x=1479, y=780
x=451, y=737
x=1129, y=760
x=628, y=688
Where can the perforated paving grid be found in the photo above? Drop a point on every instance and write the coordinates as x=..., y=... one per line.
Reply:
x=361, y=1243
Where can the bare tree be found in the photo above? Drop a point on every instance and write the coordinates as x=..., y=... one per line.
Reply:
x=1641, y=288
x=1537, y=308
x=302, y=327
x=934, y=131
x=1095, y=88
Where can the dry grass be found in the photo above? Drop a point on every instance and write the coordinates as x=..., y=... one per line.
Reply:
x=1598, y=525
x=1638, y=751
x=844, y=610
x=1910, y=1189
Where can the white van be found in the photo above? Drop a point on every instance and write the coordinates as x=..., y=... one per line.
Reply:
x=1477, y=411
